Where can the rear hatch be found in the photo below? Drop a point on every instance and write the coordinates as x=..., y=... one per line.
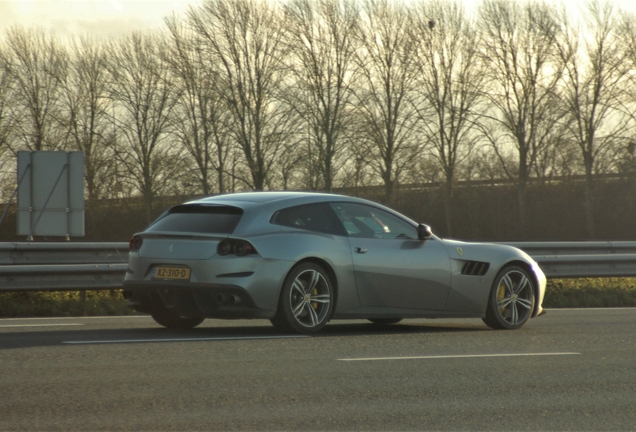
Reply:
x=189, y=232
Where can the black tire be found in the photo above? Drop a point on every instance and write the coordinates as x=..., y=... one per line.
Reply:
x=171, y=320
x=383, y=321
x=511, y=300
x=306, y=300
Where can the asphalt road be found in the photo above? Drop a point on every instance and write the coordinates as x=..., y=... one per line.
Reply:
x=567, y=370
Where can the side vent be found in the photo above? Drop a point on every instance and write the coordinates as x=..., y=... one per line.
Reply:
x=475, y=268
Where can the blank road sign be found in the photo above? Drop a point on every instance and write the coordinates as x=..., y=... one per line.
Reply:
x=51, y=193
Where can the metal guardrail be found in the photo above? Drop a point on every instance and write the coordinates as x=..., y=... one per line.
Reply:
x=587, y=266
x=582, y=259
x=62, y=266
x=575, y=248
x=97, y=266
x=63, y=253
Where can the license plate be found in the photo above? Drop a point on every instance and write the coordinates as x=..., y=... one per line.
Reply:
x=178, y=273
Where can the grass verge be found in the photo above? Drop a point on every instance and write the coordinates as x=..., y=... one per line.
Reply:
x=590, y=293
x=60, y=304
x=560, y=293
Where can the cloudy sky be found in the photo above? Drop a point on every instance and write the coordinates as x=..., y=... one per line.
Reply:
x=110, y=17
x=100, y=17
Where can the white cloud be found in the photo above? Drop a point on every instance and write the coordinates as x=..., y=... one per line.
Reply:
x=117, y=5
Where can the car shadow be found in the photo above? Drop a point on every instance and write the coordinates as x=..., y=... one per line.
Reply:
x=224, y=333
x=405, y=327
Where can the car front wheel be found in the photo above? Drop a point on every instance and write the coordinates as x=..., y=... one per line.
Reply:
x=511, y=300
x=306, y=300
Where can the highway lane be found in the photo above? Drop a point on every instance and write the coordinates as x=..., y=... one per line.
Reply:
x=567, y=370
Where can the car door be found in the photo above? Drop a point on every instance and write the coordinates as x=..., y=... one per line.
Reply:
x=393, y=268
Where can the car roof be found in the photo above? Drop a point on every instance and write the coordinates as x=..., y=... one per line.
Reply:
x=266, y=198
x=260, y=205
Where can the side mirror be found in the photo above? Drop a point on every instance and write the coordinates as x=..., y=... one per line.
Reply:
x=424, y=232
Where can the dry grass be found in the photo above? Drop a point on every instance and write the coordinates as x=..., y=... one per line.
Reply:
x=67, y=303
x=600, y=292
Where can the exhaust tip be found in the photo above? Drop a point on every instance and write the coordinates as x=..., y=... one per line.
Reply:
x=231, y=299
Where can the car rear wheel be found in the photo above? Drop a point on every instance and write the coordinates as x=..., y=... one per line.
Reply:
x=172, y=320
x=306, y=300
x=385, y=320
x=511, y=300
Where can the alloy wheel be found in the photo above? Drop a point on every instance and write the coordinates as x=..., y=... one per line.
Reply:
x=310, y=298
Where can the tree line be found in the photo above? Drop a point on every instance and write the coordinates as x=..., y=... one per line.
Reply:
x=326, y=94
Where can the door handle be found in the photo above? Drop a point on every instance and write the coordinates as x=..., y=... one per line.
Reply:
x=361, y=250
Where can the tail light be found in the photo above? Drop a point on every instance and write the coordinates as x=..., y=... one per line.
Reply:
x=134, y=244
x=236, y=247
x=224, y=247
x=242, y=248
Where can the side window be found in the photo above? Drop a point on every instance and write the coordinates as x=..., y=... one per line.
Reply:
x=369, y=222
x=312, y=217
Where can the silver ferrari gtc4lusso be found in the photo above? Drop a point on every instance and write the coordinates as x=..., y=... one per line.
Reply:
x=301, y=259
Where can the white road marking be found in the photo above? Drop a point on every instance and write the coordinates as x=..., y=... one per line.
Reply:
x=121, y=341
x=74, y=318
x=590, y=309
x=41, y=325
x=460, y=356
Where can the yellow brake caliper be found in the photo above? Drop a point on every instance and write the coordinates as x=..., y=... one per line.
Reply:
x=501, y=293
x=314, y=304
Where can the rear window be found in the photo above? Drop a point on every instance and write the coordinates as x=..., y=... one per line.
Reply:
x=205, y=219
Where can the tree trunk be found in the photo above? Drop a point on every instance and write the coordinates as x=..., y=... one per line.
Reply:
x=328, y=175
x=259, y=181
x=148, y=202
x=448, y=206
x=388, y=187
x=589, y=206
x=522, y=188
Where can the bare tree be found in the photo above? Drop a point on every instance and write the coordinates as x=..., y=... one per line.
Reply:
x=7, y=105
x=559, y=156
x=322, y=44
x=245, y=37
x=520, y=54
x=201, y=118
x=144, y=98
x=593, y=75
x=449, y=85
x=627, y=30
x=38, y=64
x=85, y=105
x=385, y=59
x=7, y=102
